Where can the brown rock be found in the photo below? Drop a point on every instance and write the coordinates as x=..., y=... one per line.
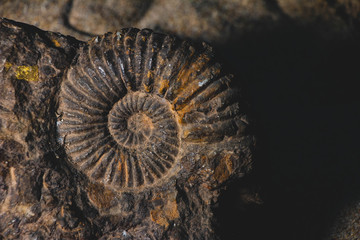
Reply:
x=105, y=16
x=215, y=21
x=63, y=178
x=329, y=17
x=347, y=225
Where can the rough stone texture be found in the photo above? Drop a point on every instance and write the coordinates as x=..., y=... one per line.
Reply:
x=334, y=17
x=43, y=196
x=106, y=16
x=47, y=15
x=299, y=60
x=347, y=226
x=212, y=20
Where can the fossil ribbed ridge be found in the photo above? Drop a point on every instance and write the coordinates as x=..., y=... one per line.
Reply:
x=133, y=101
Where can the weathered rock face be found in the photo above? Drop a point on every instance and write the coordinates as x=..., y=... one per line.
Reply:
x=129, y=136
x=347, y=225
x=215, y=21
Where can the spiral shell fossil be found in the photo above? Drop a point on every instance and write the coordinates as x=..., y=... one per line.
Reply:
x=133, y=101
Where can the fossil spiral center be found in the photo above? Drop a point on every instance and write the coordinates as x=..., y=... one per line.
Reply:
x=139, y=122
x=135, y=118
x=128, y=126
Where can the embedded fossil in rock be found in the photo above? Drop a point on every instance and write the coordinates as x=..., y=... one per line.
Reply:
x=150, y=130
x=134, y=101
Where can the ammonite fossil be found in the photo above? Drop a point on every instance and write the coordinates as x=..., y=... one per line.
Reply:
x=133, y=102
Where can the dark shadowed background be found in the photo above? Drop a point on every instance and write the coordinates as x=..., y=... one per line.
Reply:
x=297, y=63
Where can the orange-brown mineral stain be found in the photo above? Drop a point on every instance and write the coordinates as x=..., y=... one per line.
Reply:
x=189, y=134
x=100, y=196
x=56, y=43
x=147, y=88
x=164, y=86
x=163, y=214
x=120, y=161
x=187, y=75
x=150, y=74
x=224, y=169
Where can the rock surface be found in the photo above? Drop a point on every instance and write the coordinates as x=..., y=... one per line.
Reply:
x=43, y=196
x=215, y=21
x=347, y=226
x=299, y=58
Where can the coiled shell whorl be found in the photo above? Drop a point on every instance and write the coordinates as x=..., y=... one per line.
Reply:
x=134, y=101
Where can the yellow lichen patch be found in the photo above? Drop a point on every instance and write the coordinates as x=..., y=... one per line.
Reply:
x=56, y=43
x=164, y=213
x=224, y=169
x=27, y=73
x=7, y=66
x=100, y=196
